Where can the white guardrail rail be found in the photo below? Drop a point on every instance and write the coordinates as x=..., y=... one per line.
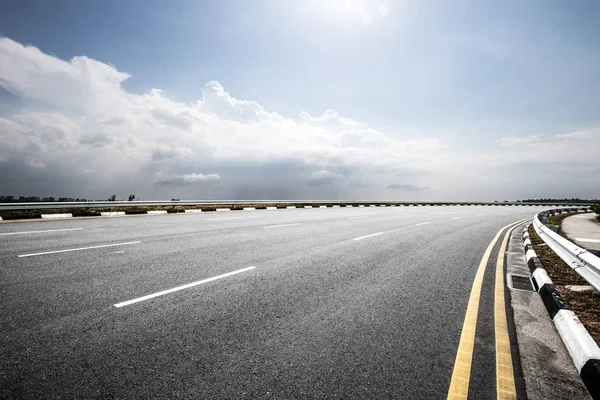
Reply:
x=582, y=261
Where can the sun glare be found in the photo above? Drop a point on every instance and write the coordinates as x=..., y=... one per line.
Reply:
x=351, y=11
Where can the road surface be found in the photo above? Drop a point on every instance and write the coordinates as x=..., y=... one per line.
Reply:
x=364, y=303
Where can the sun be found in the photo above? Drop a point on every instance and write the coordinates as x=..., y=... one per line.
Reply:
x=343, y=11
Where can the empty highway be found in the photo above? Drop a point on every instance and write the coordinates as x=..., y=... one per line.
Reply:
x=364, y=303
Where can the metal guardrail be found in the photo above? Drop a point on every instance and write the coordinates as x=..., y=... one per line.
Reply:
x=582, y=261
x=107, y=203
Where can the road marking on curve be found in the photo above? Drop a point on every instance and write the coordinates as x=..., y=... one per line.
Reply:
x=456, y=217
x=461, y=374
x=78, y=249
x=182, y=287
x=588, y=240
x=223, y=219
x=423, y=223
x=49, y=230
x=368, y=236
x=505, y=379
x=280, y=226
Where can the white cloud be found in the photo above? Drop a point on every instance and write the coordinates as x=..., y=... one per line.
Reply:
x=324, y=177
x=88, y=122
x=404, y=187
x=516, y=141
x=188, y=179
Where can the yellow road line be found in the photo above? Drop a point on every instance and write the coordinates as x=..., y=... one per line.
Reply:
x=459, y=383
x=505, y=379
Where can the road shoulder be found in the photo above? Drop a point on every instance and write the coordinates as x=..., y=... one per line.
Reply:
x=583, y=229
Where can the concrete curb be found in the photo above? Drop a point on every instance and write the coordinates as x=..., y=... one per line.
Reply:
x=69, y=215
x=582, y=348
x=193, y=211
x=236, y=205
x=112, y=213
x=157, y=212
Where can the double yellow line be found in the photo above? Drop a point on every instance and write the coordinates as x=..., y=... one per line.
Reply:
x=505, y=381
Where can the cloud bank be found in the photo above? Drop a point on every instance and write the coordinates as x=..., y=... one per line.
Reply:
x=77, y=132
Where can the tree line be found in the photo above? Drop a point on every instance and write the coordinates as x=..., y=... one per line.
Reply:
x=571, y=200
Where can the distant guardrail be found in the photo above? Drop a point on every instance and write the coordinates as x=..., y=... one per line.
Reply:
x=582, y=261
x=234, y=203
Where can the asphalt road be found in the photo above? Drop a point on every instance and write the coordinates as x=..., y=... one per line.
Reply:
x=361, y=303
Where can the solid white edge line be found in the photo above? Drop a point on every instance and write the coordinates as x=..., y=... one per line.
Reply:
x=80, y=248
x=223, y=219
x=280, y=226
x=49, y=230
x=588, y=240
x=356, y=217
x=423, y=223
x=367, y=236
x=175, y=289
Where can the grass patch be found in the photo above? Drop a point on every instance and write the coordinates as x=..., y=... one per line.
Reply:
x=587, y=307
x=558, y=270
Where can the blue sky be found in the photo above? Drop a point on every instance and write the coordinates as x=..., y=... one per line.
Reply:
x=467, y=73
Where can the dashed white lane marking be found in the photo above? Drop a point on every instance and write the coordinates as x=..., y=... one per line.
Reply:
x=356, y=217
x=423, y=223
x=175, y=289
x=49, y=230
x=368, y=236
x=119, y=252
x=481, y=215
x=588, y=240
x=78, y=249
x=222, y=219
x=456, y=217
x=279, y=226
